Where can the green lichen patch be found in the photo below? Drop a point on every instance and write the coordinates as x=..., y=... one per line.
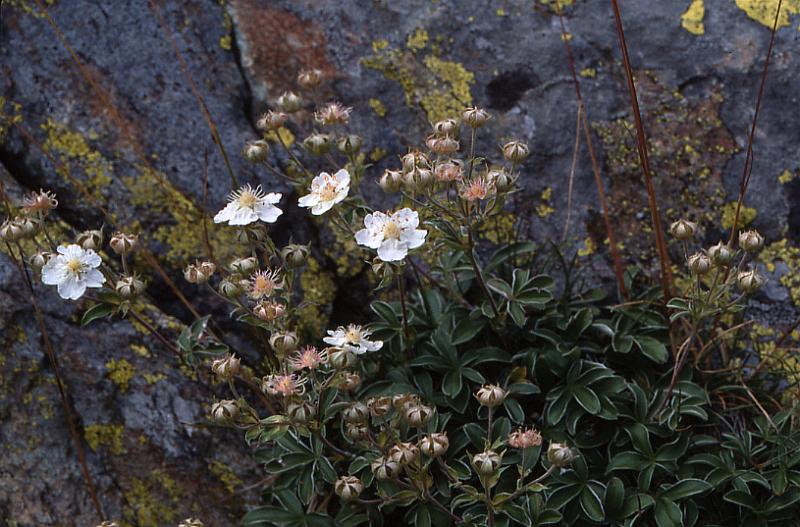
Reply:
x=763, y=11
x=120, y=372
x=152, y=501
x=746, y=215
x=225, y=475
x=108, y=436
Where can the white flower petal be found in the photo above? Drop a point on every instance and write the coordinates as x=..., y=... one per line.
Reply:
x=267, y=213
x=342, y=178
x=243, y=216
x=94, y=278
x=392, y=250
x=273, y=197
x=71, y=288
x=406, y=218
x=413, y=238
x=53, y=271
x=322, y=207
x=309, y=200
x=227, y=213
x=369, y=238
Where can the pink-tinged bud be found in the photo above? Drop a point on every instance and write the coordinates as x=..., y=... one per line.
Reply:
x=524, y=438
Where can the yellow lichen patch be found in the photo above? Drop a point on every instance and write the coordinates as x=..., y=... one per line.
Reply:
x=141, y=350
x=105, y=435
x=781, y=251
x=225, y=475
x=500, y=12
x=377, y=107
x=152, y=378
x=377, y=154
x=499, y=228
x=417, y=40
x=746, y=215
x=588, y=247
x=692, y=18
x=785, y=177
x=282, y=135
x=120, y=372
x=556, y=5
x=589, y=73
x=544, y=208
x=763, y=11
x=448, y=102
x=72, y=147
x=152, y=502
x=318, y=290
x=9, y=115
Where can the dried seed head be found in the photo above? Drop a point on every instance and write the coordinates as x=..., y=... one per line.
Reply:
x=341, y=358
x=271, y=121
x=349, y=381
x=310, y=79
x=224, y=411
x=751, y=241
x=560, y=455
x=434, y=445
x=129, y=287
x=300, y=412
x=284, y=342
x=404, y=453
x=349, y=144
x=122, y=243
x=191, y=522
x=256, y=151
x=333, y=113
x=417, y=415
x=683, y=229
x=750, y=281
x=515, y=151
x=348, y=487
x=446, y=127
x=90, y=240
x=244, y=266
x=226, y=367
x=452, y=170
x=283, y=385
x=385, y=468
x=442, y=144
x=524, y=438
x=268, y=310
x=289, y=102
x=308, y=358
x=356, y=413
x=379, y=406
x=721, y=254
x=294, y=255
x=39, y=203
x=475, y=117
x=699, y=264
x=391, y=180
x=318, y=144
x=487, y=463
x=490, y=395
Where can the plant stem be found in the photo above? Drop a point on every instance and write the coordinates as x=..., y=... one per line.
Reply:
x=478, y=273
x=402, y=288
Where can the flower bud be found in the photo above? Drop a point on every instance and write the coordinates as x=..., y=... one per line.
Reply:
x=391, y=180
x=294, y=255
x=349, y=144
x=475, y=117
x=108, y=523
x=501, y=180
x=385, y=468
x=434, y=445
x=349, y=381
x=299, y=413
x=379, y=406
x=750, y=281
x=244, y=266
x=418, y=415
x=683, y=229
x=289, y=102
x=419, y=180
x=452, y=170
x=310, y=79
x=560, y=455
x=271, y=121
x=402, y=401
x=356, y=431
x=404, y=453
x=10, y=231
x=413, y=160
x=318, y=144
x=267, y=310
x=37, y=260
x=721, y=254
x=490, y=395
x=122, y=243
x=447, y=127
x=129, y=287
x=90, y=240
x=39, y=203
x=224, y=411
x=191, y=522
x=487, y=463
x=226, y=367
x=230, y=289
x=751, y=241
x=256, y=151
x=29, y=225
x=199, y=273
x=348, y=487
x=699, y=264
x=356, y=413
x=341, y=358
x=284, y=342
x=333, y=114
x=442, y=145
x=515, y=151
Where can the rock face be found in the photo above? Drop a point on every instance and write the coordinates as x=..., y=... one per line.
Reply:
x=113, y=105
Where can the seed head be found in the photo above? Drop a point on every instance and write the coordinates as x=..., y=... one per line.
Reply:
x=515, y=151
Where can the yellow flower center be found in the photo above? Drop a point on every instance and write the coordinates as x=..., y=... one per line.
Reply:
x=352, y=335
x=75, y=266
x=327, y=191
x=391, y=230
x=248, y=199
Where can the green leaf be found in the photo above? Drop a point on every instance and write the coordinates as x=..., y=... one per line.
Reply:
x=452, y=383
x=515, y=411
x=467, y=329
x=685, y=488
x=587, y=399
x=668, y=514
x=592, y=504
x=627, y=461
x=268, y=515
x=95, y=312
x=615, y=495
x=742, y=499
x=652, y=348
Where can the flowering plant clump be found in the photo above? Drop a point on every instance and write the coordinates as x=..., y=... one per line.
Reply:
x=487, y=388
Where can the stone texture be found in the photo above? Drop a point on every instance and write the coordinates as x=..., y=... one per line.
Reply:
x=125, y=130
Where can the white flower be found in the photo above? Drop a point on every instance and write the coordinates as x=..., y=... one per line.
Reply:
x=353, y=339
x=73, y=270
x=249, y=204
x=326, y=191
x=393, y=235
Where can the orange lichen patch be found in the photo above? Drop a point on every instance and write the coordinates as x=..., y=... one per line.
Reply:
x=276, y=45
x=688, y=146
